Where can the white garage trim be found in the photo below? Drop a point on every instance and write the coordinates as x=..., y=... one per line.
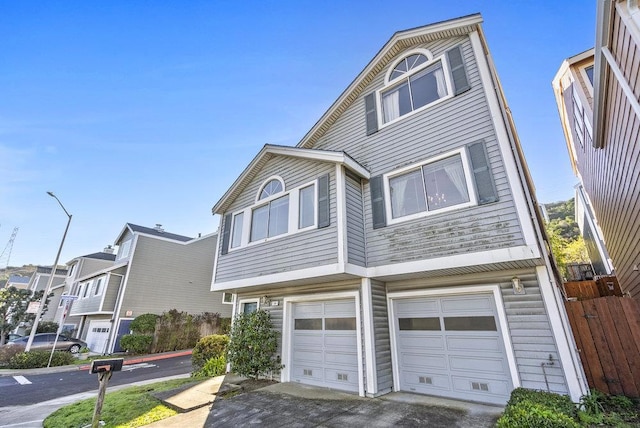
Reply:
x=474, y=289
x=287, y=330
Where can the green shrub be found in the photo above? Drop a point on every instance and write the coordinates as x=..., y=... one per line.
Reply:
x=208, y=347
x=527, y=414
x=144, y=324
x=215, y=366
x=556, y=402
x=136, y=343
x=37, y=359
x=253, y=345
x=176, y=330
x=47, y=327
x=608, y=410
x=224, y=326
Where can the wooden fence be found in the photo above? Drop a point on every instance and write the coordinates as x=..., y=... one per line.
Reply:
x=607, y=333
x=604, y=286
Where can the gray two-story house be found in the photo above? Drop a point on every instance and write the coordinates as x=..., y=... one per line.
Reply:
x=397, y=246
x=153, y=271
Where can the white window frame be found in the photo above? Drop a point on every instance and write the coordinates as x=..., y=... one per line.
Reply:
x=585, y=77
x=86, y=292
x=99, y=282
x=243, y=302
x=233, y=298
x=264, y=184
x=390, y=84
x=468, y=173
x=125, y=249
x=71, y=269
x=293, y=221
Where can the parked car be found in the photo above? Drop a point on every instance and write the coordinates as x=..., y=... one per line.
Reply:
x=44, y=341
x=13, y=336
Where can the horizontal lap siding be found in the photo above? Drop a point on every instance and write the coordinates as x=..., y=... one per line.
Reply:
x=355, y=223
x=532, y=338
x=382, y=336
x=311, y=248
x=92, y=265
x=610, y=175
x=111, y=293
x=86, y=305
x=166, y=275
x=446, y=126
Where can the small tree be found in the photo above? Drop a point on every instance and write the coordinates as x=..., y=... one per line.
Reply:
x=253, y=345
x=13, y=308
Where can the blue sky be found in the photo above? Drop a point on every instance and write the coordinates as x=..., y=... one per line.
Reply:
x=146, y=112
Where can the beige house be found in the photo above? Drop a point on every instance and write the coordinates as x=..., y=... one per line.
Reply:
x=598, y=97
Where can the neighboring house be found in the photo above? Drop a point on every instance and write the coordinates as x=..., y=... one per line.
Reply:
x=18, y=281
x=598, y=97
x=80, y=267
x=588, y=224
x=153, y=272
x=39, y=281
x=398, y=245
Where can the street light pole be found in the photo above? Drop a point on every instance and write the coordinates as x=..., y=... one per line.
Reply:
x=47, y=290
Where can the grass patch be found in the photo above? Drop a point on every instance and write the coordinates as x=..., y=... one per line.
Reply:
x=131, y=407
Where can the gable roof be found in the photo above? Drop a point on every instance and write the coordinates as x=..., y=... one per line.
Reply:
x=101, y=256
x=400, y=41
x=268, y=152
x=134, y=228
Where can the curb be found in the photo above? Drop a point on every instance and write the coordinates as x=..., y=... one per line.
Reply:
x=144, y=359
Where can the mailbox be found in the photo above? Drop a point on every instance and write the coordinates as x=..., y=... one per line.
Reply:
x=110, y=365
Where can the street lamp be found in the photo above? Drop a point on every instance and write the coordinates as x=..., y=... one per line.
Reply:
x=34, y=327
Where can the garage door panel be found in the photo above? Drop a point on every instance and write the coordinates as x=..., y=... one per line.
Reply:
x=474, y=364
x=476, y=344
x=420, y=341
x=467, y=304
x=307, y=374
x=308, y=339
x=481, y=387
x=416, y=307
x=339, y=340
x=423, y=360
x=304, y=355
x=307, y=310
x=425, y=381
x=340, y=358
x=341, y=378
x=344, y=308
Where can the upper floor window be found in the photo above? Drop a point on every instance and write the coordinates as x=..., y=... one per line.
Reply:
x=125, y=248
x=589, y=72
x=72, y=268
x=439, y=184
x=97, y=290
x=416, y=81
x=272, y=187
x=278, y=212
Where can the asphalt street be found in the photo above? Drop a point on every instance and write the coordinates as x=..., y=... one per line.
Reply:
x=25, y=400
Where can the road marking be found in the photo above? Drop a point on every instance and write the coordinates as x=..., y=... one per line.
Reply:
x=130, y=367
x=22, y=380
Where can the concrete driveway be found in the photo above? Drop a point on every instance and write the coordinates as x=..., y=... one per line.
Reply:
x=295, y=405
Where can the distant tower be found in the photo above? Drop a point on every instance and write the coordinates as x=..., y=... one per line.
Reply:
x=5, y=257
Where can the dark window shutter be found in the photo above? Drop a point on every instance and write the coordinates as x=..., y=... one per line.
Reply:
x=377, y=202
x=324, y=218
x=458, y=72
x=485, y=187
x=226, y=232
x=371, y=113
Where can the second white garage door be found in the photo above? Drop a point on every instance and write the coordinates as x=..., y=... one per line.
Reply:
x=324, y=344
x=453, y=347
x=98, y=335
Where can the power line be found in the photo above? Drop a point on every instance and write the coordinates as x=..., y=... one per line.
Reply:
x=7, y=249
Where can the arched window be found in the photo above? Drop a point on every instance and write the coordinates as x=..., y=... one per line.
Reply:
x=270, y=188
x=272, y=218
x=415, y=81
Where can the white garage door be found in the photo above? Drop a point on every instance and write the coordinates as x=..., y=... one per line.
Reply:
x=324, y=344
x=452, y=347
x=97, y=335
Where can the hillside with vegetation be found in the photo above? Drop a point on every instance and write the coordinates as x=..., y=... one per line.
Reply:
x=566, y=242
x=5, y=273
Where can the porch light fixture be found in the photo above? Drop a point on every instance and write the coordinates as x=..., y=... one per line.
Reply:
x=518, y=288
x=265, y=301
